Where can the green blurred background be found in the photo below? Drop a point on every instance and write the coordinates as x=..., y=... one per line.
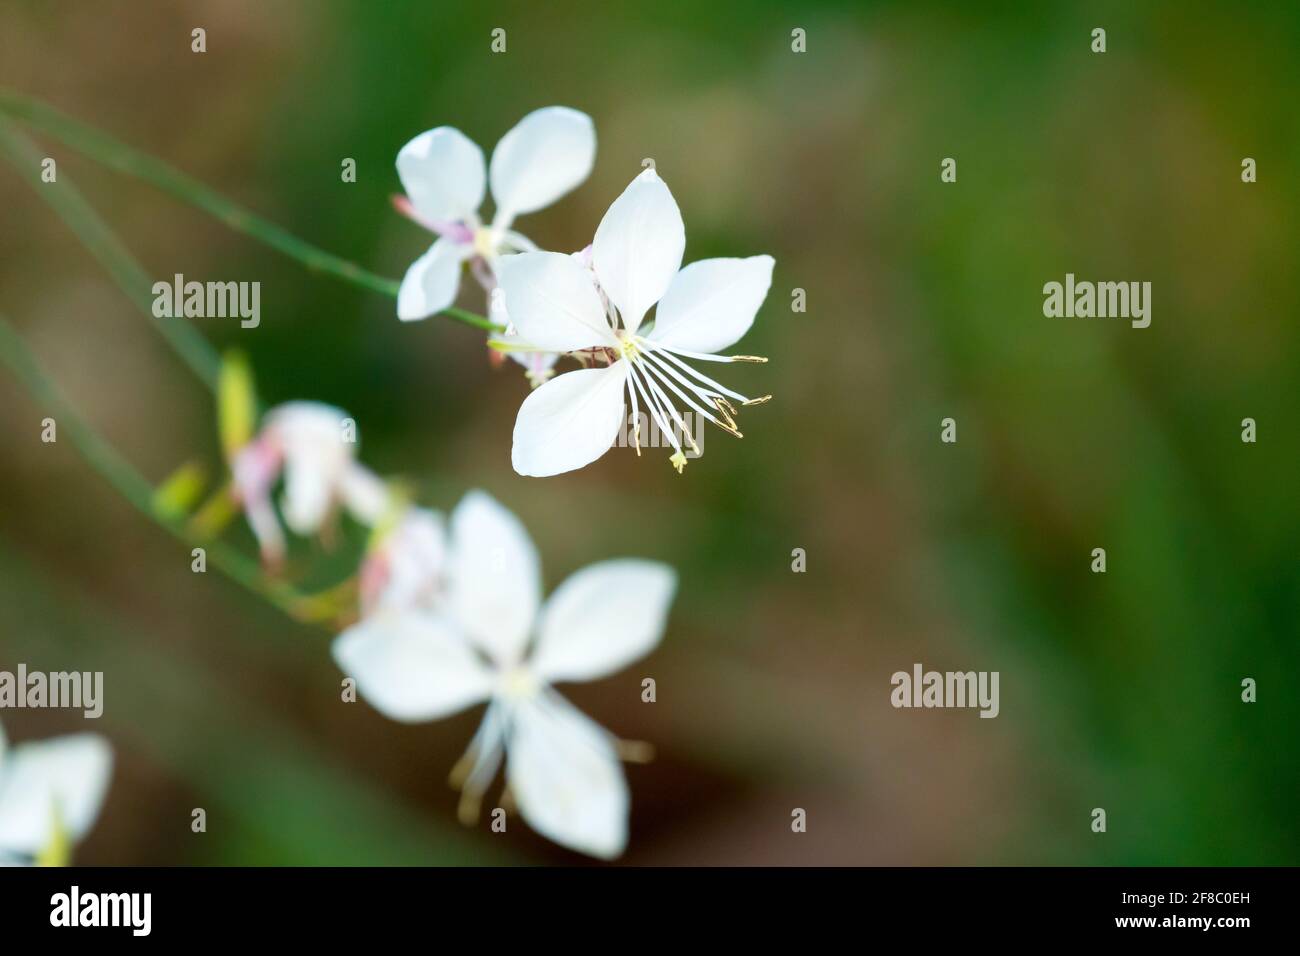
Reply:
x=924, y=301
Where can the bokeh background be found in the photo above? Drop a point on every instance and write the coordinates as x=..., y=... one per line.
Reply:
x=924, y=301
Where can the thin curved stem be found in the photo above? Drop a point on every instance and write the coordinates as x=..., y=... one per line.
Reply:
x=117, y=156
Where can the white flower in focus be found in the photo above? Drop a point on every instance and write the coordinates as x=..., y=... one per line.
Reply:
x=493, y=640
x=312, y=445
x=546, y=155
x=557, y=305
x=50, y=795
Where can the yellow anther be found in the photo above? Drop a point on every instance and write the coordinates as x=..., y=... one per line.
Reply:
x=484, y=244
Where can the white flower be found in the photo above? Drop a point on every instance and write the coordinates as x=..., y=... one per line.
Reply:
x=50, y=795
x=546, y=155
x=491, y=639
x=406, y=568
x=558, y=305
x=314, y=446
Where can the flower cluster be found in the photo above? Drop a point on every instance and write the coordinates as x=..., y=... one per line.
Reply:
x=450, y=614
x=591, y=305
x=449, y=610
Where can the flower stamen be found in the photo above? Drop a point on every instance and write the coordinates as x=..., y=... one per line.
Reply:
x=659, y=370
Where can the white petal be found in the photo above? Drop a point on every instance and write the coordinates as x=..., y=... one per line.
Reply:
x=316, y=457
x=547, y=154
x=638, y=247
x=365, y=494
x=406, y=570
x=495, y=577
x=603, y=618
x=443, y=173
x=431, y=283
x=254, y=471
x=266, y=529
x=552, y=302
x=307, y=497
x=68, y=773
x=565, y=777
x=712, y=303
x=570, y=421
x=412, y=666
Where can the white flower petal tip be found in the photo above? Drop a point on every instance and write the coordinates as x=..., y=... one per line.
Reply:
x=431, y=283
x=569, y=421
x=638, y=247
x=546, y=155
x=443, y=173
x=52, y=786
x=712, y=303
x=603, y=618
x=564, y=774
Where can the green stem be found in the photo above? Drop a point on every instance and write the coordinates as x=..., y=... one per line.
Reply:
x=116, y=155
x=67, y=201
x=129, y=483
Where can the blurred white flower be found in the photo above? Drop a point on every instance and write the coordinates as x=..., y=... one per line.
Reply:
x=314, y=446
x=546, y=155
x=489, y=638
x=558, y=305
x=406, y=568
x=50, y=795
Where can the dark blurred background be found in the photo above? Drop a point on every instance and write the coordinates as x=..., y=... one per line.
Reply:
x=924, y=301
